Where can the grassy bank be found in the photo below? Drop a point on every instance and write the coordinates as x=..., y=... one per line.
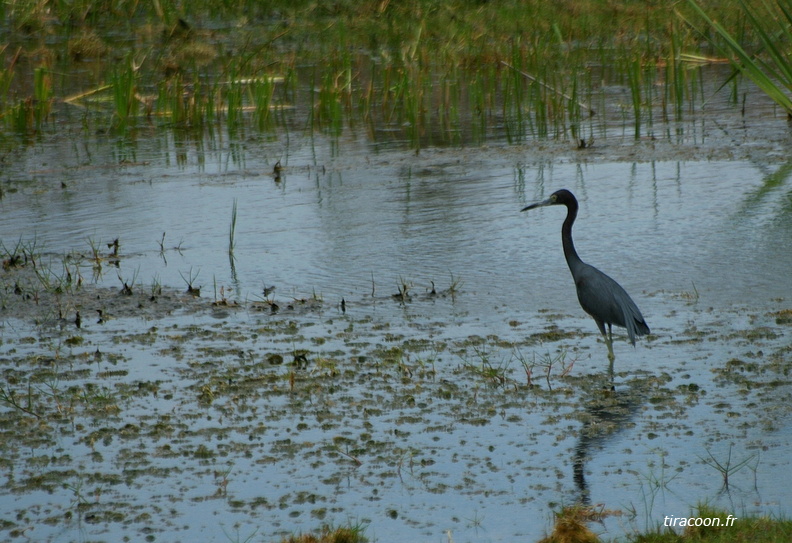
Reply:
x=570, y=527
x=442, y=72
x=715, y=526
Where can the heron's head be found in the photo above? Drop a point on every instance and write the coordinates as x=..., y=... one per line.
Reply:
x=559, y=198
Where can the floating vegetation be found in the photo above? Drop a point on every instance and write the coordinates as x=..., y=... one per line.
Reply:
x=305, y=395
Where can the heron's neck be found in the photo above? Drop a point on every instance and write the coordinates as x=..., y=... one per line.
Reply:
x=572, y=258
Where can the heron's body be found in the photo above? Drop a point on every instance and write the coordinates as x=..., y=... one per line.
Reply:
x=599, y=295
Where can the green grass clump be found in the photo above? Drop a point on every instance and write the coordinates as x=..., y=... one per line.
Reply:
x=570, y=526
x=748, y=529
x=346, y=534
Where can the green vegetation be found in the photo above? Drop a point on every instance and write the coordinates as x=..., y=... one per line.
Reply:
x=431, y=72
x=232, y=232
x=571, y=522
x=770, y=65
x=570, y=526
x=344, y=534
x=744, y=529
x=70, y=377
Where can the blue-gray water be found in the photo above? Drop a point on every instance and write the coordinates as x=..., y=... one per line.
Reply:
x=703, y=246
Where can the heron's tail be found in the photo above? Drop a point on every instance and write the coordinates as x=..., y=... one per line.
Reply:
x=636, y=326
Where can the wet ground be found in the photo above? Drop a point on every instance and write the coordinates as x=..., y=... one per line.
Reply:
x=421, y=366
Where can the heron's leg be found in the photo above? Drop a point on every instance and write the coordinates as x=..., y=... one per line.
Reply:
x=608, y=337
x=609, y=342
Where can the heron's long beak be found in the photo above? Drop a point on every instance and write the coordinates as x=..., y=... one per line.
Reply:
x=547, y=202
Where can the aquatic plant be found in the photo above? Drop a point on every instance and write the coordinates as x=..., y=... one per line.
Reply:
x=328, y=534
x=404, y=286
x=190, y=278
x=726, y=468
x=494, y=373
x=546, y=362
x=634, y=70
x=124, y=86
x=156, y=288
x=438, y=77
x=53, y=282
x=770, y=67
x=262, y=91
x=126, y=288
x=232, y=231
x=232, y=98
x=569, y=525
x=9, y=397
x=17, y=255
x=654, y=482
x=42, y=95
x=7, y=77
x=453, y=287
x=171, y=103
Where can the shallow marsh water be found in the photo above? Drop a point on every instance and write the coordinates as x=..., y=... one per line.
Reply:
x=176, y=416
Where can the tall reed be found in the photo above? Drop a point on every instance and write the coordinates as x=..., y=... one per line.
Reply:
x=124, y=85
x=635, y=78
x=233, y=98
x=42, y=95
x=430, y=78
x=232, y=231
x=770, y=67
x=261, y=91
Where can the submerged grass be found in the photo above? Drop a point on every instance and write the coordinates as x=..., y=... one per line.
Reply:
x=433, y=73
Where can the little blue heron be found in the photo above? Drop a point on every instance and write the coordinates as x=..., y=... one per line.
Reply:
x=599, y=295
